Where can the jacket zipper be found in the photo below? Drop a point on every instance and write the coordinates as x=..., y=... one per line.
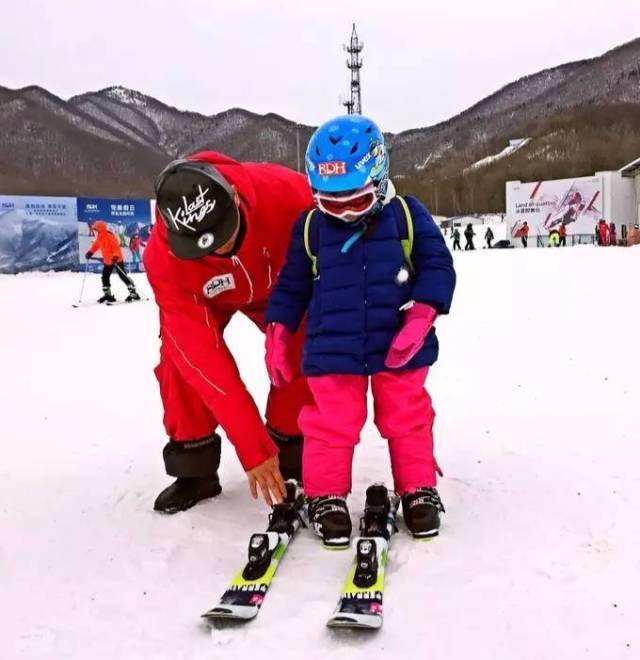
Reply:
x=236, y=260
x=267, y=256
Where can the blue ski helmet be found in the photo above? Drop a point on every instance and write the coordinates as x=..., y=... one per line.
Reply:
x=347, y=153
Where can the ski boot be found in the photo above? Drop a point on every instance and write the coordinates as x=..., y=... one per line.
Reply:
x=107, y=296
x=284, y=520
x=377, y=507
x=133, y=295
x=330, y=520
x=421, y=510
x=185, y=492
x=287, y=513
x=290, y=454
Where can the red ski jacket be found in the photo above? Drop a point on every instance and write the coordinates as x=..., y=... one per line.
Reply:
x=197, y=297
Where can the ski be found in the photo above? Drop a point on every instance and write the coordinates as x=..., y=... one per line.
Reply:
x=360, y=604
x=247, y=591
x=95, y=303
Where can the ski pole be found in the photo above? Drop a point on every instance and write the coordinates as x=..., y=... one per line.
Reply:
x=123, y=272
x=84, y=279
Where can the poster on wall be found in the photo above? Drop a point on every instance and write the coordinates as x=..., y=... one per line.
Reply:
x=545, y=206
x=38, y=233
x=128, y=219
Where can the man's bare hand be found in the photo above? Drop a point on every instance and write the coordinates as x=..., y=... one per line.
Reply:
x=267, y=477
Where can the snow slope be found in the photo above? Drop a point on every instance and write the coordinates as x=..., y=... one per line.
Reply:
x=537, y=393
x=509, y=150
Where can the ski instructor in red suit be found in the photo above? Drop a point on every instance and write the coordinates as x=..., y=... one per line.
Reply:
x=220, y=238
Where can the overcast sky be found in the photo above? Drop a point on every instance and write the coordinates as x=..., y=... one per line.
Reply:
x=424, y=61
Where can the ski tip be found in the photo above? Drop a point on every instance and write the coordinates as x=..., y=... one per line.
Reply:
x=360, y=622
x=237, y=613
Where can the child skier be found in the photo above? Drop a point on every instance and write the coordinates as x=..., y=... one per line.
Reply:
x=135, y=246
x=108, y=244
x=373, y=272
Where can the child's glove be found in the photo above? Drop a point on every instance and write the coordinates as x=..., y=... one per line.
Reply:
x=418, y=320
x=278, y=367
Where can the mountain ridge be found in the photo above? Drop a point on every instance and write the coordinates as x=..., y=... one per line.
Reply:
x=112, y=141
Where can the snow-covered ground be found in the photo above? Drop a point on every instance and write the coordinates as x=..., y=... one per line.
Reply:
x=509, y=150
x=538, y=432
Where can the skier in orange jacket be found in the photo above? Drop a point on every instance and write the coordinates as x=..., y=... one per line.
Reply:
x=108, y=245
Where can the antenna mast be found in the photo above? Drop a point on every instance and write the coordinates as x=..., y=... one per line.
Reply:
x=354, y=64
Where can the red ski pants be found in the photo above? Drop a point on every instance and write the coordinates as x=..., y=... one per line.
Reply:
x=332, y=424
x=187, y=418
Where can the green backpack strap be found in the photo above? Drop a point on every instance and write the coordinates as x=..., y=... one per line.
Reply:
x=407, y=243
x=307, y=243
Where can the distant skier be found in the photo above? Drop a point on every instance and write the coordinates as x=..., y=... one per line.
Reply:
x=217, y=246
x=456, y=239
x=524, y=233
x=562, y=233
x=108, y=245
x=603, y=232
x=488, y=237
x=135, y=246
x=468, y=236
x=122, y=234
x=613, y=235
x=554, y=238
x=375, y=329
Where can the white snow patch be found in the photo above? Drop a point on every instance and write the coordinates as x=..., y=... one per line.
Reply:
x=537, y=396
x=513, y=146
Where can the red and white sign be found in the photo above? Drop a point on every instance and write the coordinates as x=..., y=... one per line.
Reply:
x=333, y=168
x=575, y=204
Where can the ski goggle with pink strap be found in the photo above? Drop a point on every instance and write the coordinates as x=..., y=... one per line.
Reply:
x=347, y=206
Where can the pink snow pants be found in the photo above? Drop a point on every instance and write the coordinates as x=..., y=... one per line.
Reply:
x=332, y=424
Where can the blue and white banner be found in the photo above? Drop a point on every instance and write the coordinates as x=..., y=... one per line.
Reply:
x=128, y=219
x=38, y=233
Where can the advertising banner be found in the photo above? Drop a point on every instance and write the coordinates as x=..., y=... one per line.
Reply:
x=547, y=205
x=38, y=233
x=128, y=219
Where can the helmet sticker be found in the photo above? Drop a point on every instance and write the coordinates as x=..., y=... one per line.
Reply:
x=191, y=213
x=377, y=151
x=333, y=168
x=381, y=161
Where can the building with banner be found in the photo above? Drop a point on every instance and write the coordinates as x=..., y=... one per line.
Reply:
x=575, y=204
x=632, y=172
x=54, y=233
x=38, y=233
x=128, y=219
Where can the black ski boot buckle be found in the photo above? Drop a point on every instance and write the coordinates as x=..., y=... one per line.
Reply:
x=261, y=549
x=366, y=573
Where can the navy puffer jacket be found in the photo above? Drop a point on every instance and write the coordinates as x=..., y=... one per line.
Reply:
x=354, y=303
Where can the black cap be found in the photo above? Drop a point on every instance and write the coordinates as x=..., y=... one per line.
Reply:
x=198, y=207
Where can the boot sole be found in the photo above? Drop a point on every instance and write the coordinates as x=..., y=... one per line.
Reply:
x=425, y=536
x=189, y=504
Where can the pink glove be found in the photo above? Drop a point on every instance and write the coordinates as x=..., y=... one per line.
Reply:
x=278, y=367
x=418, y=320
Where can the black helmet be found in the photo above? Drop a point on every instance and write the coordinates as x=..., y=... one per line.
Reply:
x=198, y=207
